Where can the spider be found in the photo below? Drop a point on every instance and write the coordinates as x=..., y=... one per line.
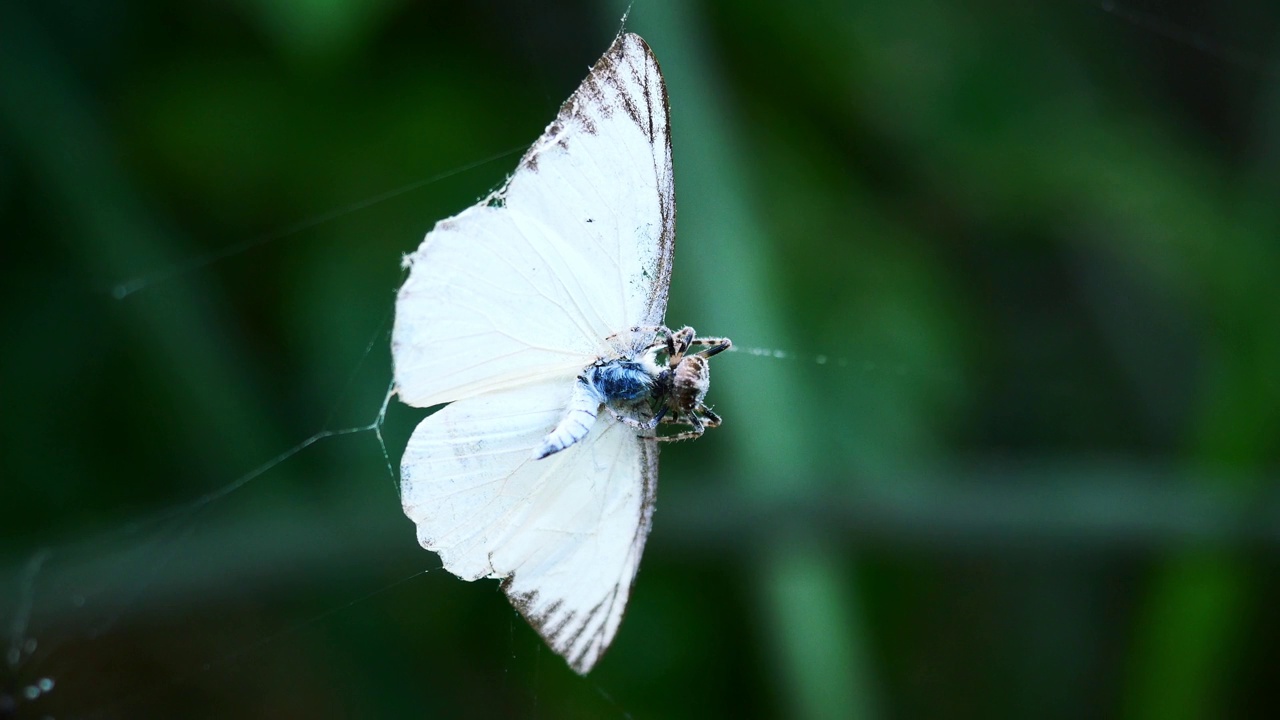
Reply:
x=641, y=393
x=682, y=386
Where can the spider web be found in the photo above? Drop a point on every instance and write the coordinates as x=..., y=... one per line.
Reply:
x=200, y=578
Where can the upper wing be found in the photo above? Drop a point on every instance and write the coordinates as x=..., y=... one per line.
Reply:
x=601, y=177
x=564, y=533
x=536, y=279
x=493, y=299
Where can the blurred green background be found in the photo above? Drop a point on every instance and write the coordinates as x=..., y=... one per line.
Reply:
x=1019, y=459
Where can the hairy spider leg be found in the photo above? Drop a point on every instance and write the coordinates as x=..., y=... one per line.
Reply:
x=678, y=344
x=718, y=345
x=699, y=420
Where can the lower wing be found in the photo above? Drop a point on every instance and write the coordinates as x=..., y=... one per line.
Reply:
x=564, y=533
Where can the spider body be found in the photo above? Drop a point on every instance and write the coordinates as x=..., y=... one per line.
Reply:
x=684, y=383
x=689, y=383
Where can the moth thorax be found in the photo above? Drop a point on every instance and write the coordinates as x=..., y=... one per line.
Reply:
x=622, y=380
x=689, y=385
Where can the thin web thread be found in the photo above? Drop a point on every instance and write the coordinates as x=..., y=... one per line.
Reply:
x=260, y=644
x=190, y=508
x=820, y=359
x=138, y=283
x=20, y=646
x=1147, y=21
x=22, y=615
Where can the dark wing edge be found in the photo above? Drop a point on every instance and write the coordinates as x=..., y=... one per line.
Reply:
x=629, y=68
x=653, y=115
x=551, y=628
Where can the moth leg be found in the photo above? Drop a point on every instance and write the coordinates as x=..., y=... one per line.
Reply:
x=657, y=329
x=630, y=421
x=638, y=424
x=661, y=332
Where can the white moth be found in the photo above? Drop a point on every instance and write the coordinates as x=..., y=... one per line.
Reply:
x=538, y=313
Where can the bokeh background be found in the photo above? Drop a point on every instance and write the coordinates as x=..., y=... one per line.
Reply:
x=1019, y=457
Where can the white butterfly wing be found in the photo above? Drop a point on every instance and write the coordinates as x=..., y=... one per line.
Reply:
x=538, y=279
x=493, y=299
x=601, y=177
x=564, y=533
